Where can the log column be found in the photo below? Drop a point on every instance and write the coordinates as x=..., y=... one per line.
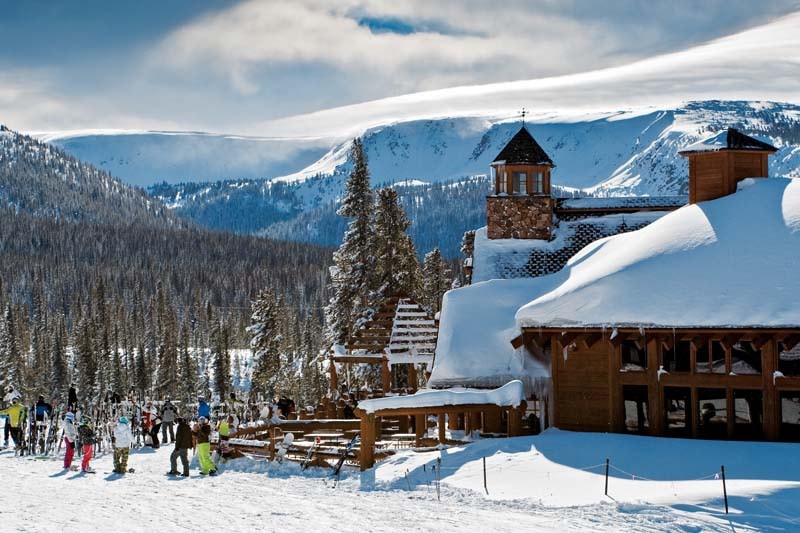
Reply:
x=367, y=456
x=386, y=376
x=420, y=428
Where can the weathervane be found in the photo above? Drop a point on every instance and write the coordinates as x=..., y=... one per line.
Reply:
x=522, y=113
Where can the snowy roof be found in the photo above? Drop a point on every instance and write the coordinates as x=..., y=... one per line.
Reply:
x=729, y=262
x=475, y=332
x=509, y=395
x=731, y=139
x=523, y=148
x=622, y=202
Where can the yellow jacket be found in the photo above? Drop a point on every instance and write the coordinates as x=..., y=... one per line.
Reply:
x=15, y=413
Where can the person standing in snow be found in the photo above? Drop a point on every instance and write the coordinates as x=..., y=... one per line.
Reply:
x=183, y=442
x=202, y=433
x=168, y=414
x=15, y=414
x=87, y=437
x=203, y=409
x=10, y=394
x=72, y=399
x=123, y=438
x=70, y=436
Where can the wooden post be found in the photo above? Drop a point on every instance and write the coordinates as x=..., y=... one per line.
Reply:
x=386, y=376
x=367, y=455
x=403, y=423
x=272, y=444
x=492, y=422
x=413, y=380
x=452, y=421
x=442, y=427
x=607, y=461
x=474, y=422
x=769, y=365
x=420, y=428
x=334, y=377
x=514, y=422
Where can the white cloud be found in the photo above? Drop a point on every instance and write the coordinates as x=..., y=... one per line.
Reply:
x=478, y=42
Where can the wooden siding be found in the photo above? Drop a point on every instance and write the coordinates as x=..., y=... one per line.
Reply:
x=581, y=388
x=715, y=174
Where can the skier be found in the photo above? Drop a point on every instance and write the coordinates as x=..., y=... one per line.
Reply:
x=123, y=438
x=87, y=436
x=203, y=409
x=149, y=416
x=70, y=435
x=183, y=441
x=168, y=414
x=202, y=432
x=43, y=408
x=72, y=399
x=16, y=413
x=11, y=393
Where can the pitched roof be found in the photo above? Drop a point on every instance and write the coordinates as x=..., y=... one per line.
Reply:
x=694, y=267
x=523, y=148
x=732, y=139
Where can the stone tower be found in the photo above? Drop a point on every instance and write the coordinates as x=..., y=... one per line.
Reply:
x=521, y=206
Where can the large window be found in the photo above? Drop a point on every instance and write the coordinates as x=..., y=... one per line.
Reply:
x=745, y=359
x=538, y=183
x=634, y=356
x=678, y=358
x=789, y=360
x=790, y=415
x=677, y=410
x=710, y=357
x=713, y=410
x=521, y=183
x=748, y=409
x=503, y=183
x=634, y=399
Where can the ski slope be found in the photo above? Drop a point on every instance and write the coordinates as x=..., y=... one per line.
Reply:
x=551, y=482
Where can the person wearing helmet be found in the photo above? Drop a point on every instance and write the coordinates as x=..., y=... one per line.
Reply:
x=202, y=433
x=15, y=413
x=70, y=436
x=88, y=438
x=123, y=438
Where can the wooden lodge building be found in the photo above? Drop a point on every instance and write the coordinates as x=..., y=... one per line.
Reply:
x=688, y=326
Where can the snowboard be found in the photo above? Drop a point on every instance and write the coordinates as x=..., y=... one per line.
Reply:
x=309, y=455
x=283, y=447
x=338, y=468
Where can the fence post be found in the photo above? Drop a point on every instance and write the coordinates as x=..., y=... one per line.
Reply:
x=484, y=476
x=607, y=463
x=724, y=488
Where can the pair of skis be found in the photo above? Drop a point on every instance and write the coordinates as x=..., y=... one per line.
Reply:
x=337, y=469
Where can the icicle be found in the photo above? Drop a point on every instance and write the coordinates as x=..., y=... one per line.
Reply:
x=641, y=330
x=661, y=371
x=614, y=334
x=565, y=353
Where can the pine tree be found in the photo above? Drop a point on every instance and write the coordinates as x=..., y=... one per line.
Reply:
x=396, y=266
x=221, y=357
x=435, y=281
x=187, y=366
x=85, y=358
x=265, y=342
x=350, y=275
x=58, y=363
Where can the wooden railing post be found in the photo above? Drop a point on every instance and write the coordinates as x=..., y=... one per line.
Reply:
x=367, y=455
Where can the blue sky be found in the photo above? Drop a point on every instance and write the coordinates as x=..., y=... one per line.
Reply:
x=227, y=65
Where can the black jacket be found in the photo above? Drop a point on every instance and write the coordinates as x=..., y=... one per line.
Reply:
x=183, y=436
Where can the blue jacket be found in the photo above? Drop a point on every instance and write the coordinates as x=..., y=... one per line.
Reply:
x=203, y=409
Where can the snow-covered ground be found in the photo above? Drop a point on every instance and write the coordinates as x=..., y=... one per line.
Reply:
x=552, y=482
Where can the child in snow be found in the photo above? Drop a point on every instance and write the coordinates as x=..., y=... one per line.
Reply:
x=123, y=438
x=70, y=435
x=203, y=433
x=87, y=436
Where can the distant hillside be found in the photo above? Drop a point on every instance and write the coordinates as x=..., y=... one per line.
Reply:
x=43, y=181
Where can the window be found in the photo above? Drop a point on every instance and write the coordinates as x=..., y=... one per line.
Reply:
x=634, y=399
x=677, y=410
x=634, y=356
x=521, y=183
x=502, y=184
x=713, y=409
x=538, y=183
x=710, y=358
x=789, y=360
x=748, y=409
x=745, y=359
x=790, y=415
x=678, y=358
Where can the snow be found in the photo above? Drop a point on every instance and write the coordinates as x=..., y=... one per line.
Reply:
x=715, y=143
x=726, y=262
x=509, y=395
x=475, y=333
x=551, y=482
x=612, y=202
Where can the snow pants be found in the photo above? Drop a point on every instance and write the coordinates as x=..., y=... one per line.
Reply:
x=87, y=456
x=164, y=427
x=69, y=452
x=204, y=456
x=183, y=453
x=121, y=460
